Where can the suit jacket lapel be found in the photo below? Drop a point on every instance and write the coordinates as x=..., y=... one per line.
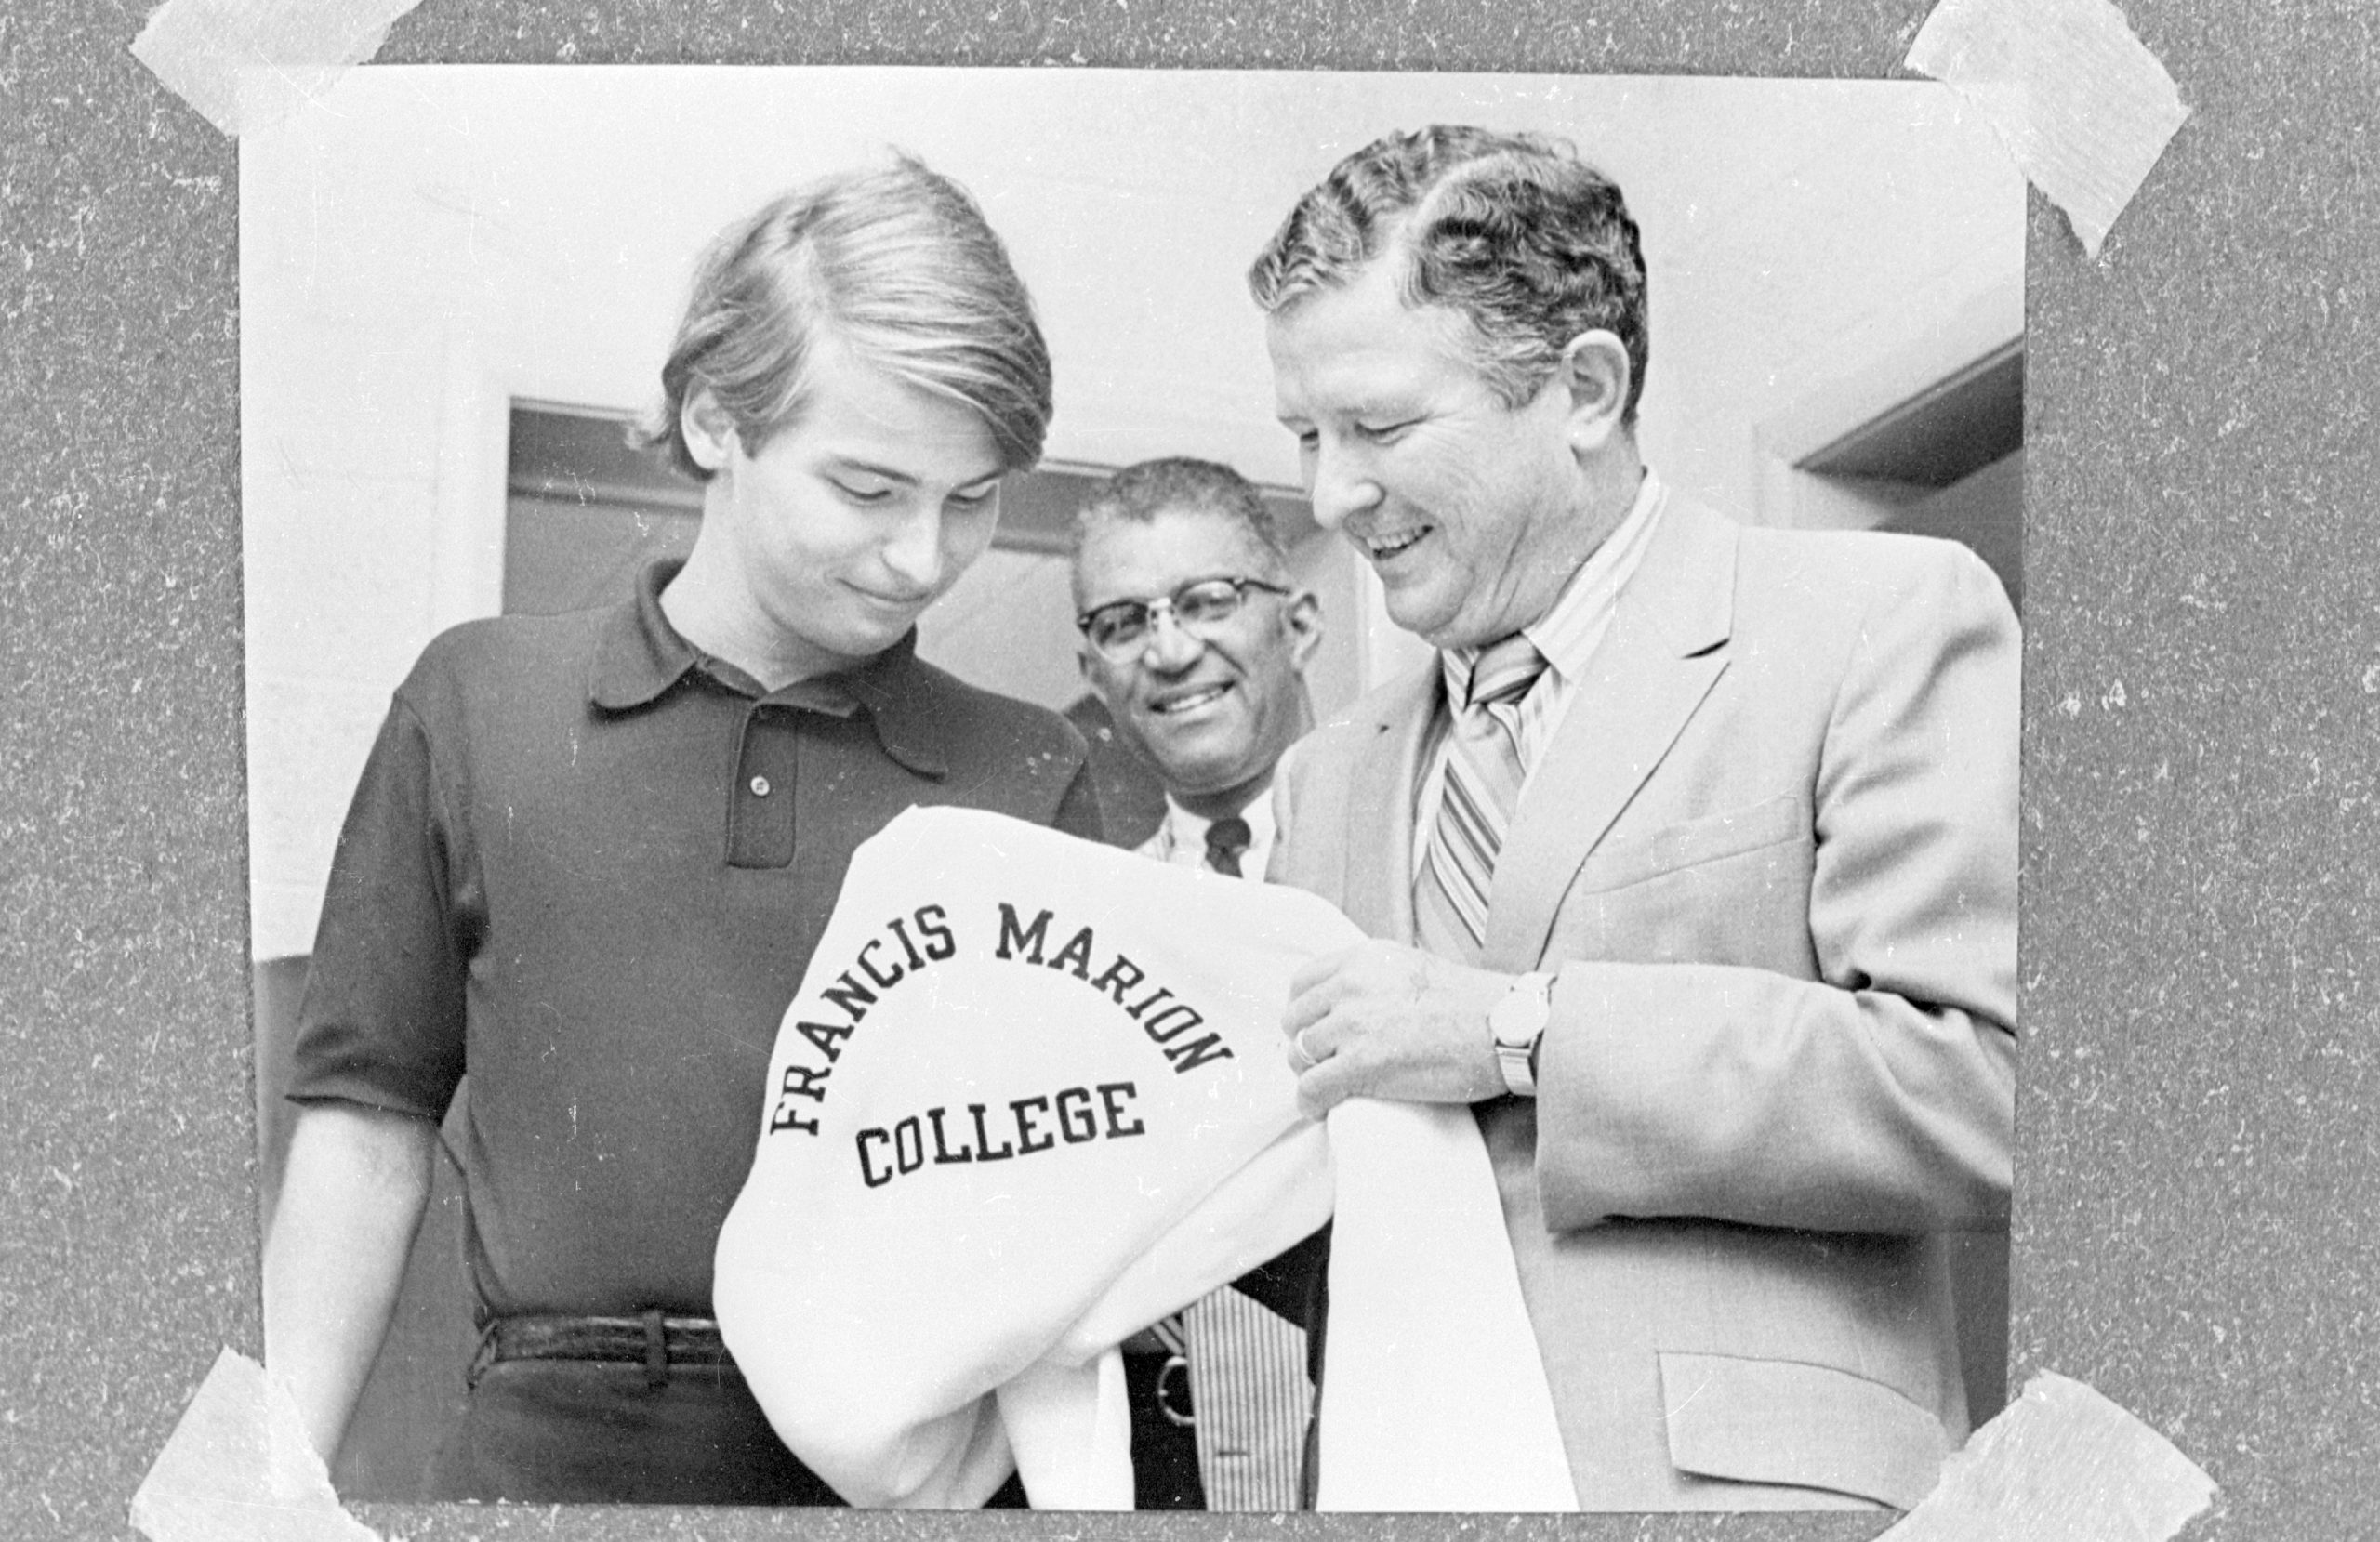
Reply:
x=1377, y=843
x=1666, y=647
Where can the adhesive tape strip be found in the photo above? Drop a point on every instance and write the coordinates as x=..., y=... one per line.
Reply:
x=2081, y=104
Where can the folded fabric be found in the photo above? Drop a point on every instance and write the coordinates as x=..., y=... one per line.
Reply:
x=1434, y=1396
x=1030, y=1098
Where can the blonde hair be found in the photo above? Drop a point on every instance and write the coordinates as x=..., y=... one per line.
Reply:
x=895, y=263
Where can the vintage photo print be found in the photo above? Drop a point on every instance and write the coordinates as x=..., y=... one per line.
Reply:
x=556, y=879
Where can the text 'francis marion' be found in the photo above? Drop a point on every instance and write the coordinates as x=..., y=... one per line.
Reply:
x=908, y=945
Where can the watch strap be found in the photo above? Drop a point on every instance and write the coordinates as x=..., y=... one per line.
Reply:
x=1516, y=1024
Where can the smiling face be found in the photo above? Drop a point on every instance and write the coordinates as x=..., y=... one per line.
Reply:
x=1213, y=711
x=823, y=547
x=1473, y=514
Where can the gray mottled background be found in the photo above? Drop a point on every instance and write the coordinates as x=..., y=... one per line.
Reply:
x=2196, y=1231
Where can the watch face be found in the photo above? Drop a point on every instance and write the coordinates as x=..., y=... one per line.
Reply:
x=1517, y=1018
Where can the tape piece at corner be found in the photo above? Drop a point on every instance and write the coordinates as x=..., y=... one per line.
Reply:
x=246, y=64
x=240, y=1468
x=2061, y=1463
x=2081, y=104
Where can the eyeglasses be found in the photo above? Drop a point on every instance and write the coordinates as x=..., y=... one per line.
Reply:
x=1121, y=630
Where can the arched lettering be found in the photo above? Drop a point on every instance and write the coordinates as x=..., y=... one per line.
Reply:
x=883, y=983
x=940, y=945
x=1013, y=936
x=1149, y=1024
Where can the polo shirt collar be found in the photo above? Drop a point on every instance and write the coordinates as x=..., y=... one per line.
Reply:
x=639, y=655
x=897, y=692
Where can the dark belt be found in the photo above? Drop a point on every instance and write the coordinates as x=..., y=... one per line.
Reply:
x=652, y=1340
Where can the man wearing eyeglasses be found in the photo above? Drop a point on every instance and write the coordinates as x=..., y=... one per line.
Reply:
x=1196, y=637
x=1198, y=641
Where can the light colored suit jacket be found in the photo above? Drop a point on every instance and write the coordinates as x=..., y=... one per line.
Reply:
x=1772, y=854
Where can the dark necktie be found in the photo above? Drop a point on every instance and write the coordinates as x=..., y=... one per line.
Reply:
x=1226, y=838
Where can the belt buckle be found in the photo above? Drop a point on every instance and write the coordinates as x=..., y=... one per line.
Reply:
x=1179, y=1418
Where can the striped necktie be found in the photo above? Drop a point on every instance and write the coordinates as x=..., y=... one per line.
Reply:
x=1482, y=787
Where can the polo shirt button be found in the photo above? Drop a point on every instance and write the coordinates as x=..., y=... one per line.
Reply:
x=760, y=786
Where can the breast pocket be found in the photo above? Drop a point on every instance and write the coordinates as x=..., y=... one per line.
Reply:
x=1727, y=887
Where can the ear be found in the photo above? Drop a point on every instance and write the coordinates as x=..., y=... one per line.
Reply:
x=1596, y=374
x=1304, y=615
x=708, y=430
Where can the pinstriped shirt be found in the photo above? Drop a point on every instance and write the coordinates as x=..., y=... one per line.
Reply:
x=1246, y=1361
x=1567, y=634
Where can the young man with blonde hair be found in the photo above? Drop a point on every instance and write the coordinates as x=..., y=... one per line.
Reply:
x=592, y=853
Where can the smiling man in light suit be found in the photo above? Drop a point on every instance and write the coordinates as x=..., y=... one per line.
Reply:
x=1690, y=859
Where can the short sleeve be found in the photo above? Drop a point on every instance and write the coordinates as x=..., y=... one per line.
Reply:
x=382, y=1021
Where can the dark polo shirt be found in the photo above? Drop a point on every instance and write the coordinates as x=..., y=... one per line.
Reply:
x=587, y=864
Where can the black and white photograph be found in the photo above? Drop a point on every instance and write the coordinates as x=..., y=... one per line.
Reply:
x=1414, y=770
x=1569, y=525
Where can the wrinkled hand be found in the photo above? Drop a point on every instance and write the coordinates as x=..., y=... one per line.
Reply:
x=1380, y=1020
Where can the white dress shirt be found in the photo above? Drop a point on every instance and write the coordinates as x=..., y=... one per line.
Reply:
x=1567, y=634
x=1182, y=839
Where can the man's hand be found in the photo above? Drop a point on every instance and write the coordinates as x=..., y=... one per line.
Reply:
x=1379, y=1020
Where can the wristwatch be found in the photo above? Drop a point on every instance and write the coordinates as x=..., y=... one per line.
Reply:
x=1517, y=1023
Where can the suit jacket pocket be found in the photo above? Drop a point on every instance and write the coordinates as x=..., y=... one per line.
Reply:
x=1712, y=837
x=1782, y=1421
x=1729, y=889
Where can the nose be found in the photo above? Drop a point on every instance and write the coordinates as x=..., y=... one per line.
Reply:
x=1338, y=485
x=913, y=549
x=1170, y=647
